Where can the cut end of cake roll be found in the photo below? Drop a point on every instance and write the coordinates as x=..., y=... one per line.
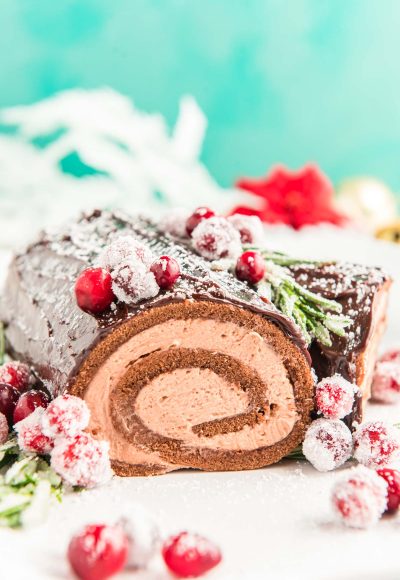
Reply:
x=197, y=384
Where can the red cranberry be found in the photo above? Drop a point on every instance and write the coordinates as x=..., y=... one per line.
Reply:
x=8, y=400
x=98, y=552
x=166, y=271
x=93, y=290
x=28, y=402
x=16, y=374
x=199, y=214
x=392, y=477
x=250, y=267
x=190, y=555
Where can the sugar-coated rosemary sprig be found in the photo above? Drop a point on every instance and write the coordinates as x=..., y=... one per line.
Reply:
x=281, y=259
x=27, y=487
x=316, y=316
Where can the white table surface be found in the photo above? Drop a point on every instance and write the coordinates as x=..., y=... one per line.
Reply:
x=274, y=523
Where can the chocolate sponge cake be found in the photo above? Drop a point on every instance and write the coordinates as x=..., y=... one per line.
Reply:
x=208, y=374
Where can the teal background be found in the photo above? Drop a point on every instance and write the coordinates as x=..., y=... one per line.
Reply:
x=279, y=80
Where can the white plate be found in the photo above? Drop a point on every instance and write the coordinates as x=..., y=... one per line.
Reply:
x=274, y=523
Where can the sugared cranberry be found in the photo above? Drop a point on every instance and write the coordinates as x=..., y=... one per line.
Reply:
x=3, y=429
x=360, y=498
x=82, y=460
x=376, y=444
x=30, y=434
x=216, y=238
x=166, y=271
x=391, y=355
x=124, y=249
x=98, y=552
x=66, y=416
x=8, y=399
x=133, y=282
x=334, y=397
x=93, y=290
x=249, y=227
x=28, y=402
x=173, y=222
x=190, y=555
x=250, y=267
x=392, y=478
x=386, y=382
x=142, y=532
x=327, y=444
x=199, y=214
x=16, y=374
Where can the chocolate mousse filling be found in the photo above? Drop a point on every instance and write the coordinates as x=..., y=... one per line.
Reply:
x=197, y=384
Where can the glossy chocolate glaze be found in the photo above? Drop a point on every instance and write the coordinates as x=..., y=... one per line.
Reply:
x=354, y=287
x=46, y=328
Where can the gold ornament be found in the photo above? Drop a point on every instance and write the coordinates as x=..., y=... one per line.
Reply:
x=367, y=201
x=390, y=233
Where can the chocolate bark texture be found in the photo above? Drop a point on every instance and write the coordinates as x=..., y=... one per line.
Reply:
x=206, y=375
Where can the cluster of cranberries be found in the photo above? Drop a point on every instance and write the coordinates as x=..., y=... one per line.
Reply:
x=362, y=497
x=18, y=398
x=96, y=290
x=58, y=431
x=216, y=237
x=51, y=427
x=386, y=381
x=100, y=551
x=328, y=442
x=129, y=273
x=372, y=488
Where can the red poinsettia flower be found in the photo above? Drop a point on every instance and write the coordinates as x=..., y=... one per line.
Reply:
x=295, y=198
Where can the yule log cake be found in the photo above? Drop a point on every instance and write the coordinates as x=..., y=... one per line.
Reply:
x=194, y=359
